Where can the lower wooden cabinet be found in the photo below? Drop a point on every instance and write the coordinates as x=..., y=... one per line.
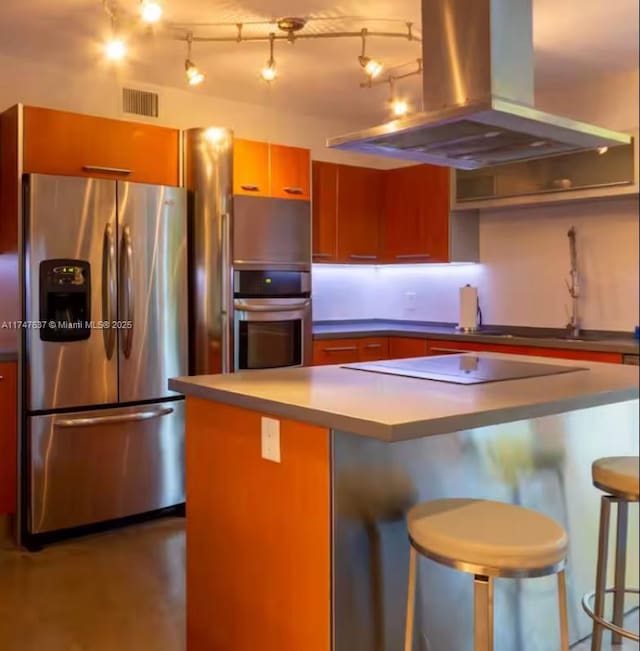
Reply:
x=348, y=351
x=400, y=347
x=8, y=437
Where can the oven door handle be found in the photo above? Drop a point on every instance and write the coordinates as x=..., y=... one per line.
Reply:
x=291, y=307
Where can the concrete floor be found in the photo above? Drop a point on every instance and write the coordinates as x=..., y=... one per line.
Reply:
x=116, y=591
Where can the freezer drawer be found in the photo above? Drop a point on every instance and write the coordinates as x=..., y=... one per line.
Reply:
x=91, y=466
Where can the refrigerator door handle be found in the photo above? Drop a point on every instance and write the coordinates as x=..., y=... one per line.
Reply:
x=108, y=290
x=226, y=290
x=126, y=290
x=110, y=420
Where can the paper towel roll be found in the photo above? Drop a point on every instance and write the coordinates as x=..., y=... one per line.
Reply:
x=468, y=308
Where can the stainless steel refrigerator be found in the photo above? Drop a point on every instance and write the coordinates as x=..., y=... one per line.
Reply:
x=105, y=278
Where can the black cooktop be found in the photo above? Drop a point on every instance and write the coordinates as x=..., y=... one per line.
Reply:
x=463, y=369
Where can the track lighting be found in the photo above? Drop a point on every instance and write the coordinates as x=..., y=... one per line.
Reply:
x=150, y=11
x=193, y=74
x=115, y=49
x=269, y=72
x=371, y=66
x=399, y=106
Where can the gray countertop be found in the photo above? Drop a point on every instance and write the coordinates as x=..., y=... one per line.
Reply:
x=8, y=355
x=393, y=408
x=614, y=342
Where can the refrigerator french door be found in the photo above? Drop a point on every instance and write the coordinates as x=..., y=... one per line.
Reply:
x=105, y=296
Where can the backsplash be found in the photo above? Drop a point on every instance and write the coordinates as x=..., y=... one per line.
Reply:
x=524, y=257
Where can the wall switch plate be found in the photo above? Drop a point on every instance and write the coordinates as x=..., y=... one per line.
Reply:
x=271, y=439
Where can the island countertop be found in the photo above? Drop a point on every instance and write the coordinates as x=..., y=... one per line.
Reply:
x=394, y=408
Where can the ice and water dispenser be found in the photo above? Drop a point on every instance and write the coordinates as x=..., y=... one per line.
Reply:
x=65, y=300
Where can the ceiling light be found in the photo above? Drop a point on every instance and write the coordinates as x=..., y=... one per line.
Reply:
x=399, y=107
x=150, y=11
x=602, y=150
x=115, y=49
x=269, y=72
x=194, y=76
x=371, y=66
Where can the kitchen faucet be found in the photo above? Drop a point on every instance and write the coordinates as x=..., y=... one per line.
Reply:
x=573, y=327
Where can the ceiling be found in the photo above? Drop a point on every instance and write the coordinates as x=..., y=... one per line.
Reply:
x=573, y=39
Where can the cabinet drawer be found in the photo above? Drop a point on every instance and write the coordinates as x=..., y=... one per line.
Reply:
x=8, y=437
x=335, y=351
x=407, y=347
x=373, y=348
x=290, y=172
x=70, y=144
x=250, y=168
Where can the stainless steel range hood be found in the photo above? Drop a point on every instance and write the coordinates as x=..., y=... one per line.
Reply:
x=478, y=95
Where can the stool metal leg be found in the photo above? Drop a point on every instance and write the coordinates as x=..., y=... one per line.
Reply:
x=482, y=613
x=562, y=603
x=411, y=600
x=621, y=566
x=601, y=572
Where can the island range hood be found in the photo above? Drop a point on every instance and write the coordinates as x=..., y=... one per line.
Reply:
x=478, y=94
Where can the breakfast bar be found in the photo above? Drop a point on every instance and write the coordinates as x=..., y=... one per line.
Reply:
x=299, y=480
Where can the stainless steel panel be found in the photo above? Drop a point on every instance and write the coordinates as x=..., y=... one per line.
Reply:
x=68, y=218
x=208, y=178
x=92, y=466
x=543, y=464
x=271, y=233
x=152, y=289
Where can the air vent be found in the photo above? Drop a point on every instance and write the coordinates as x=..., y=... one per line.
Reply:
x=140, y=102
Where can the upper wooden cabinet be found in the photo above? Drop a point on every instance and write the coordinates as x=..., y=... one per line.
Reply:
x=261, y=169
x=360, y=194
x=415, y=224
x=8, y=437
x=325, y=211
x=71, y=144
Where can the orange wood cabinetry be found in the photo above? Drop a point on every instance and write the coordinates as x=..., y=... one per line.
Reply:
x=9, y=182
x=250, y=167
x=360, y=194
x=290, y=172
x=258, y=534
x=57, y=142
x=325, y=211
x=451, y=347
x=348, y=351
x=8, y=437
x=265, y=170
x=415, y=224
x=406, y=347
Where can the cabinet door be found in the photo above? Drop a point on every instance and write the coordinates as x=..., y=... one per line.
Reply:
x=406, y=347
x=290, y=172
x=359, y=210
x=335, y=351
x=373, y=348
x=8, y=437
x=416, y=214
x=250, y=168
x=9, y=183
x=70, y=144
x=325, y=211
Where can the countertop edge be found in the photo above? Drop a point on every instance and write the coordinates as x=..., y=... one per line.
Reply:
x=8, y=356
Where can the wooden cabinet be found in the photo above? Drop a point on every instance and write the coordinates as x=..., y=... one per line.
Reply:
x=359, y=209
x=445, y=347
x=8, y=437
x=325, y=211
x=57, y=142
x=9, y=181
x=265, y=170
x=250, y=168
x=348, y=351
x=400, y=347
x=415, y=223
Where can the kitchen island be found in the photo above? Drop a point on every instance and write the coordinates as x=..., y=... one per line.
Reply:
x=310, y=551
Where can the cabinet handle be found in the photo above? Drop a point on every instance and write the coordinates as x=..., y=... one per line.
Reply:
x=322, y=255
x=1, y=378
x=106, y=170
x=412, y=256
x=373, y=346
x=290, y=190
x=250, y=188
x=363, y=257
x=339, y=349
x=449, y=350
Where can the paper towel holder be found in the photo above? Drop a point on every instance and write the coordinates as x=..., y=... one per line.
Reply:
x=470, y=315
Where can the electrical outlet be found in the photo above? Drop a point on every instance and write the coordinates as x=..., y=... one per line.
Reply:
x=271, y=439
x=410, y=300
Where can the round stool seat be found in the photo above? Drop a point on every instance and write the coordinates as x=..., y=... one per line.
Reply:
x=485, y=537
x=617, y=475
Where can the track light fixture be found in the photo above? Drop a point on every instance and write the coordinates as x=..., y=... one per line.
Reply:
x=193, y=74
x=399, y=106
x=371, y=66
x=115, y=49
x=269, y=72
x=150, y=11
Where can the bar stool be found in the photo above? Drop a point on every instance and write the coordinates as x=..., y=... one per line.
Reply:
x=489, y=540
x=618, y=477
